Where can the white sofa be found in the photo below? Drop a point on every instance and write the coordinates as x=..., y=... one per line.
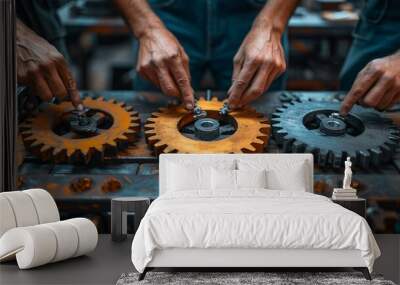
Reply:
x=31, y=231
x=153, y=248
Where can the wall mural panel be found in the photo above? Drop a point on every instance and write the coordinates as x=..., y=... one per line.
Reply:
x=102, y=166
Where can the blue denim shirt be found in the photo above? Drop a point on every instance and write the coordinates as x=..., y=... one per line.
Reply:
x=376, y=35
x=211, y=32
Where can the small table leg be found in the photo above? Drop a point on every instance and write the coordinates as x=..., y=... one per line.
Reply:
x=143, y=274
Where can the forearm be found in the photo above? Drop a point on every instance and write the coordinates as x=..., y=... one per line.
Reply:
x=276, y=14
x=138, y=15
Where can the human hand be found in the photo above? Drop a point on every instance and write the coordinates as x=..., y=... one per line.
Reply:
x=163, y=61
x=377, y=85
x=258, y=62
x=41, y=67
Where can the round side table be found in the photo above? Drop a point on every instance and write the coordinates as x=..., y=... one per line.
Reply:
x=120, y=207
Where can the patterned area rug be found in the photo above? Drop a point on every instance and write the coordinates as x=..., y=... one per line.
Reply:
x=244, y=278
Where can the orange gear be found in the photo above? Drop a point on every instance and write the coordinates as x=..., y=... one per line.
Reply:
x=47, y=133
x=163, y=130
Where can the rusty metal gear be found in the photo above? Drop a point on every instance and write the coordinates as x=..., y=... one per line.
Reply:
x=54, y=133
x=367, y=136
x=174, y=129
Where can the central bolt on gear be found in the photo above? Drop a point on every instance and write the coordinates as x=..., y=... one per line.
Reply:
x=174, y=129
x=59, y=134
x=368, y=137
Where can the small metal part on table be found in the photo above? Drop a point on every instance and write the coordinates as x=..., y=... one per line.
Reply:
x=120, y=208
x=198, y=113
x=81, y=184
x=357, y=206
x=225, y=109
x=206, y=129
x=111, y=185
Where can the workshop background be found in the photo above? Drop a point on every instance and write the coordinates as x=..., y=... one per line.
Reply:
x=100, y=49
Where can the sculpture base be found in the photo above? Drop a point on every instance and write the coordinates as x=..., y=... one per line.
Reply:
x=344, y=190
x=344, y=194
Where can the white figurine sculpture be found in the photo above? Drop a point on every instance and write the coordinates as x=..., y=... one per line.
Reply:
x=346, y=192
x=347, y=174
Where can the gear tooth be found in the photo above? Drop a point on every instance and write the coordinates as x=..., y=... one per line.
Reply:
x=160, y=144
x=287, y=143
x=298, y=147
x=45, y=148
x=70, y=152
x=387, y=152
x=323, y=157
x=280, y=110
x=134, y=125
x=76, y=156
x=149, y=132
x=201, y=98
x=263, y=136
x=265, y=131
x=214, y=98
x=351, y=154
x=376, y=157
x=152, y=139
x=135, y=120
x=363, y=158
x=249, y=149
x=169, y=149
x=133, y=113
x=128, y=108
x=261, y=140
x=36, y=143
x=337, y=160
x=59, y=155
x=100, y=98
x=312, y=150
x=85, y=151
x=57, y=150
x=24, y=126
x=395, y=138
x=29, y=140
x=28, y=121
x=392, y=145
x=26, y=133
x=279, y=134
x=151, y=120
x=123, y=137
x=149, y=126
x=275, y=119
